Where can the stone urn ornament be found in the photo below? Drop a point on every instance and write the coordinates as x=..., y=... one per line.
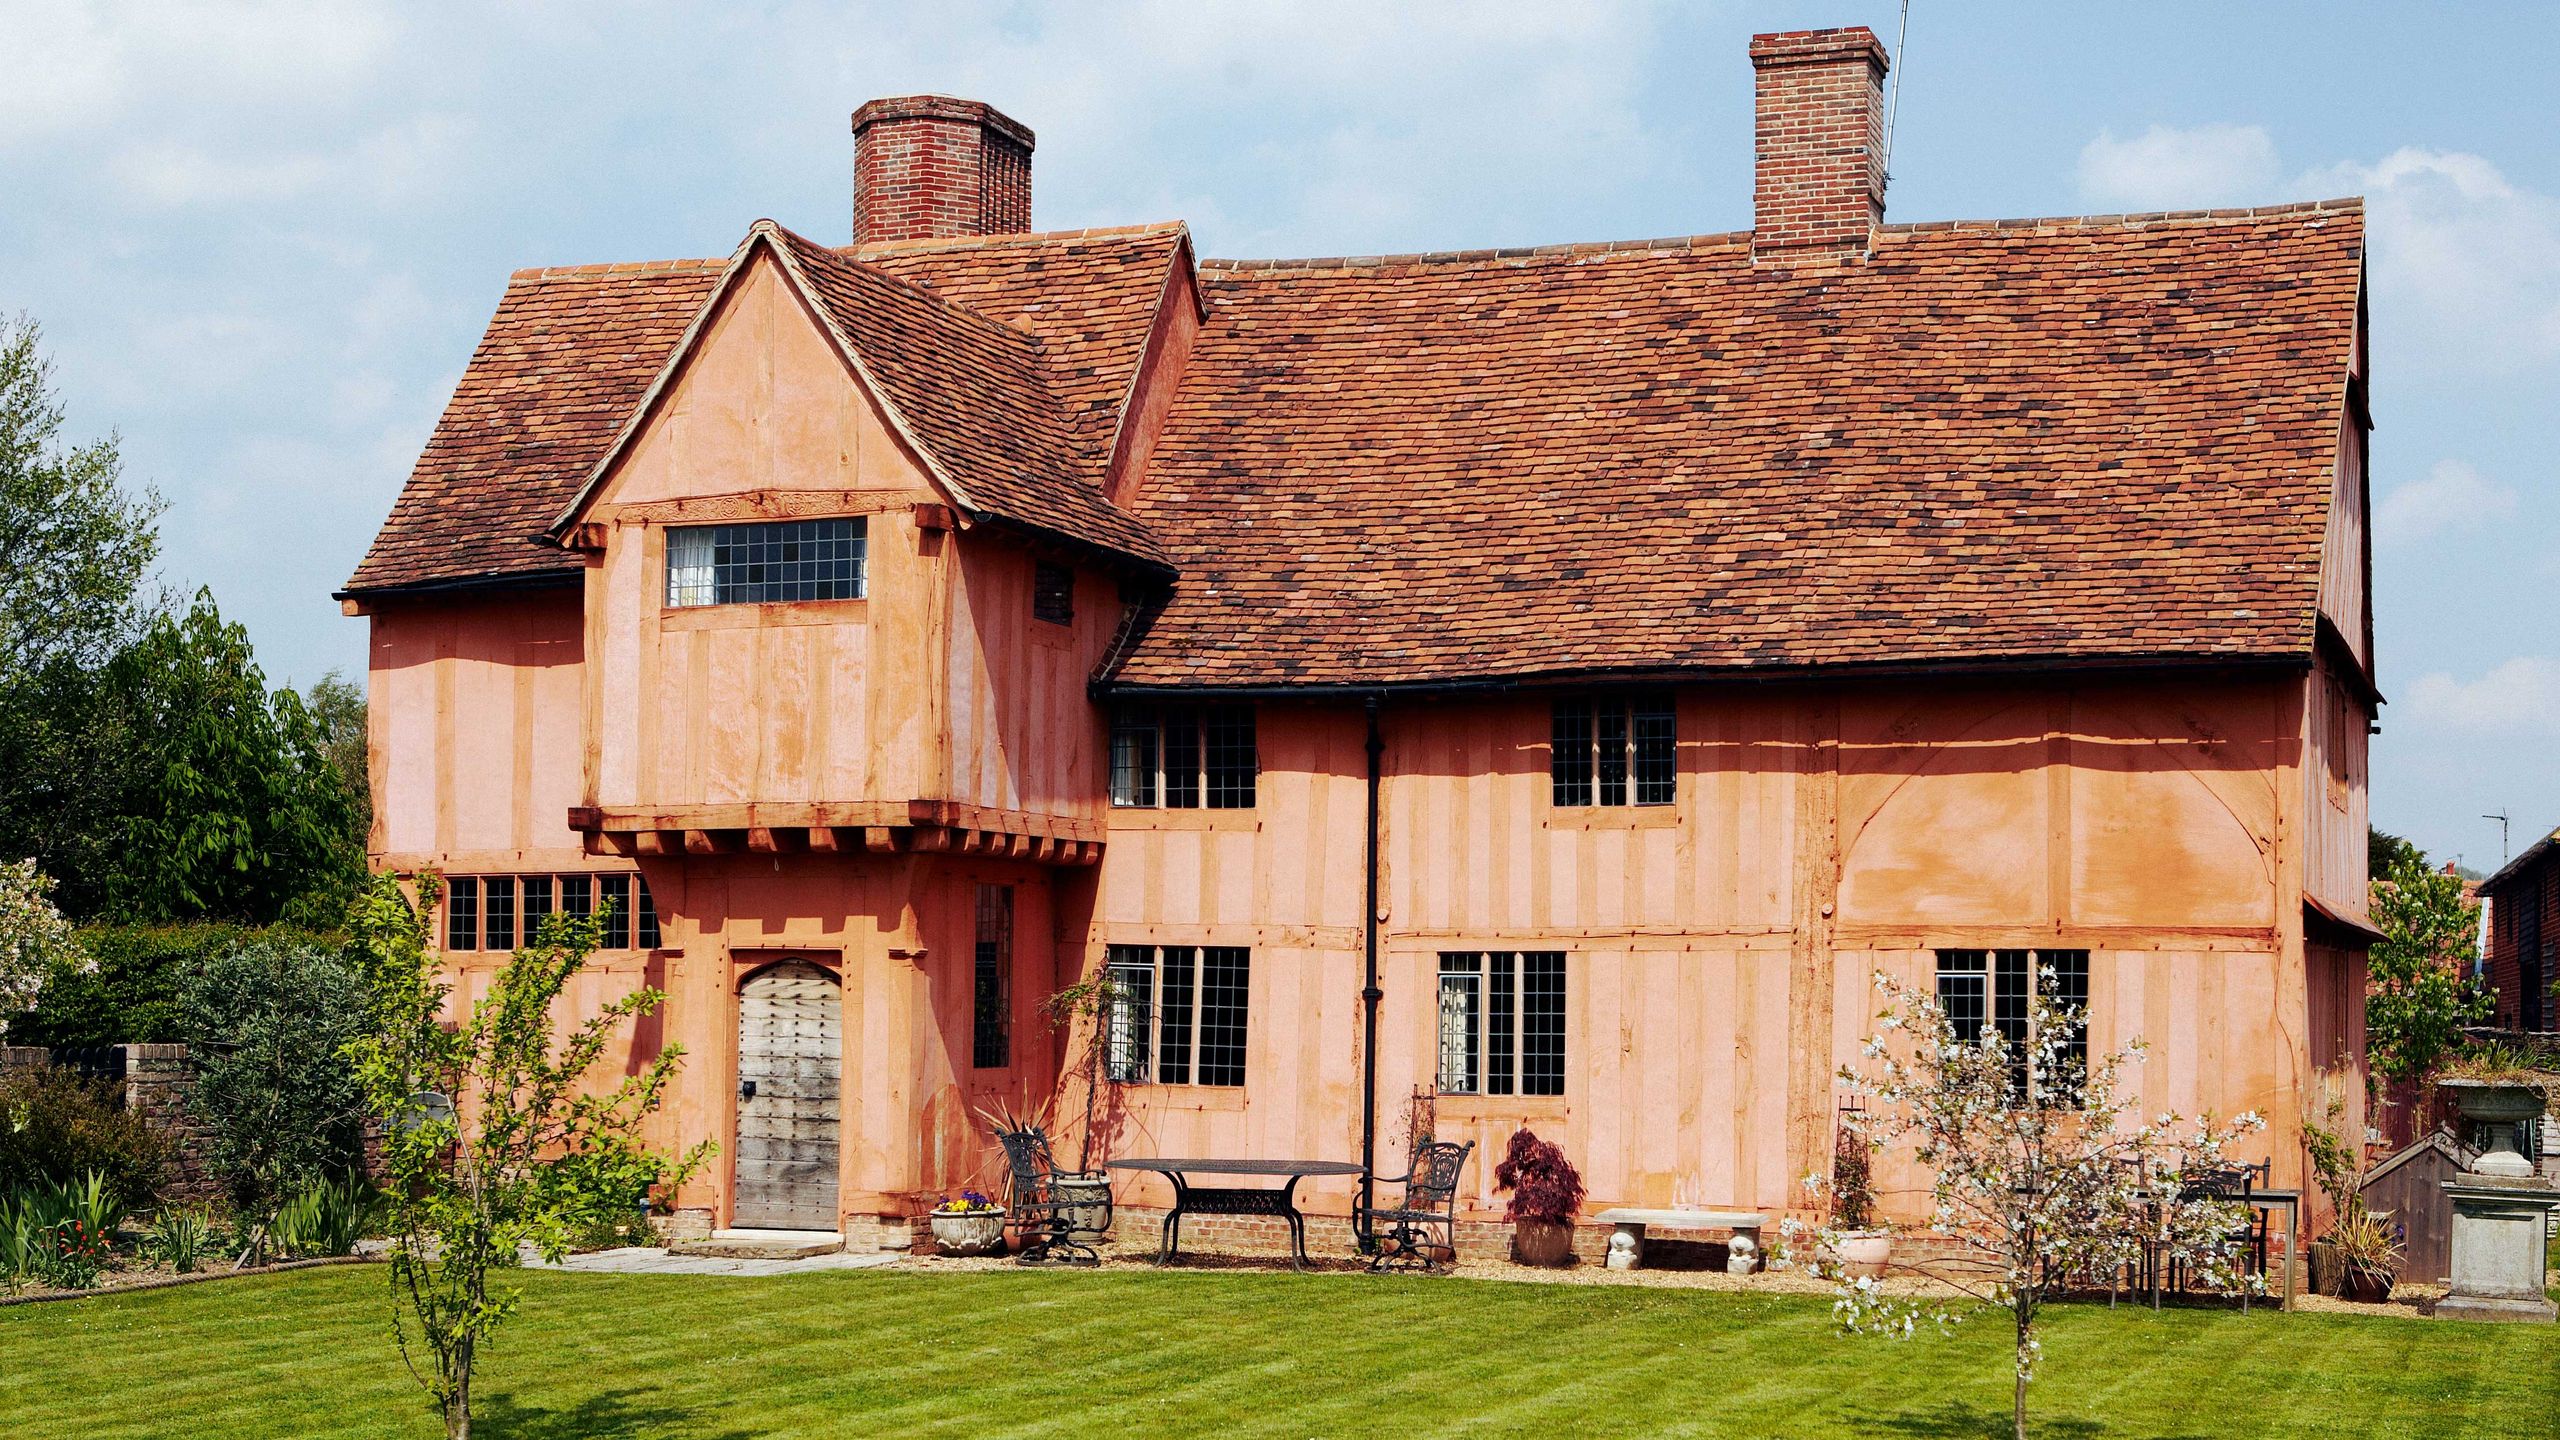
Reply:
x=970, y=1225
x=2498, y=1112
x=2501, y=1208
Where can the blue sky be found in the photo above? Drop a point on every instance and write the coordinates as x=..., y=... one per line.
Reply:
x=262, y=238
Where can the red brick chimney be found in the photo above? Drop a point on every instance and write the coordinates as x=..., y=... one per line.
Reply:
x=1818, y=134
x=930, y=166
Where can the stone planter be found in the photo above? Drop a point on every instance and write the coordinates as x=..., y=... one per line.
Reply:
x=2501, y=1111
x=1864, y=1253
x=1088, y=1209
x=1542, y=1242
x=968, y=1232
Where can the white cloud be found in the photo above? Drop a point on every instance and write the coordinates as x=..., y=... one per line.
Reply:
x=2465, y=262
x=2452, y=498
x=2521, y=697
x=2165, y=168
x=74, y=66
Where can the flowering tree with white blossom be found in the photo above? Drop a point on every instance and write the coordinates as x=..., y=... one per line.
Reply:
x=34, y=938
x=2041, y=1181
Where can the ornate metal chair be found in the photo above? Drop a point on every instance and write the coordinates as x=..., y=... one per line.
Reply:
x=2231, y=1182
x=1046, y=1219
x=1414, y=1232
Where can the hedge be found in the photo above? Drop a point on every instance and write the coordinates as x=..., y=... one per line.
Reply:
x=131, y=998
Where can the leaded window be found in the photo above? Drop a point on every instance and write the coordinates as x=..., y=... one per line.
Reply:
x=991, y=1033
x=1053, y=593
x=498, y=912
x=766, y=563
x=1614, y=750
x=501, y=912
x=462, y=913
x=1183, y=757
x=1979, y=988
x=537, y=904
x=1179, y=1014
x=1502, y=1022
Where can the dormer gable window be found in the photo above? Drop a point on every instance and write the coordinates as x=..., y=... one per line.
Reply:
x=766, y=564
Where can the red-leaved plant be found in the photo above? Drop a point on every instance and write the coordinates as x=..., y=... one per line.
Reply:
x=1543, y=1184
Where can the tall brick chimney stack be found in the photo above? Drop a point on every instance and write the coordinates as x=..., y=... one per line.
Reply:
x=927, y=167
x=1818, y=181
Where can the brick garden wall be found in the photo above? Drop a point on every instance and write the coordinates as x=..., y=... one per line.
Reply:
x=158, y=1080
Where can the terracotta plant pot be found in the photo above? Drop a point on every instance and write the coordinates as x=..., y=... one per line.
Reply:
x=1542, y=1242
x=968, y=1232
x=1865, y=1253
x=2362, y=1282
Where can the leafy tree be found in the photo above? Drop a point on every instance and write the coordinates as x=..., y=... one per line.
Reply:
x=532, y=1140
x=337, y=706
x=78, y=545
x=268, y=1024
x=2420, y=993
x=35, y=941
x=2385, y=852
x=222, y=800
x=2029, y=1195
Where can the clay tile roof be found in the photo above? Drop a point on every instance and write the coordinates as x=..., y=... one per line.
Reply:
x=2098, y=440
x=568, y=354
x=572, y=349
x=1088, y=295
x=977, y=395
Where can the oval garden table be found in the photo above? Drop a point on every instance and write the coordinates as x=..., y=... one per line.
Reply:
x=1279, y=1201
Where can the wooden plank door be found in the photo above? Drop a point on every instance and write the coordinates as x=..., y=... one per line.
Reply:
x=790, y=1058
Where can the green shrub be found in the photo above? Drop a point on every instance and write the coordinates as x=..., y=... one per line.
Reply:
x=268, y=1023
x=56, y=1128
x=326, y=1217
x=132, y=997
x=181, y=1238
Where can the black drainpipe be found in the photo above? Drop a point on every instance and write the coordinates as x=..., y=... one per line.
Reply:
x=1370, y=994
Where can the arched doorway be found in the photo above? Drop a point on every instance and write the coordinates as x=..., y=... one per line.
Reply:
x=790, y=1060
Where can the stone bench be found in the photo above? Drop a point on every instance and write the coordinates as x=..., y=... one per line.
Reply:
x=1626, y=1247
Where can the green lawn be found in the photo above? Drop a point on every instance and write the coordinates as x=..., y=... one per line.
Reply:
x=1129, y=1355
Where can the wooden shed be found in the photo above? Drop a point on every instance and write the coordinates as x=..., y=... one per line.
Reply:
x=2409, y=1187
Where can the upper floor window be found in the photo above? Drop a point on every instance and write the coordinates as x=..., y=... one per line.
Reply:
x=1183, y=757
x=1502, y=1022
x=1615, y=750
x=1053, y=593
x=767, y=563
x=1990, y=987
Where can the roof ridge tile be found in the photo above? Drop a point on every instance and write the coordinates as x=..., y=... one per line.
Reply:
x=615, y=268
x=999, y=242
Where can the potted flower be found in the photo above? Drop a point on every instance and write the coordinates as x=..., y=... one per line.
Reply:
x=1546, y=1191
x=970, y=1225
x=2368, y=1256
x=1863, y=1247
